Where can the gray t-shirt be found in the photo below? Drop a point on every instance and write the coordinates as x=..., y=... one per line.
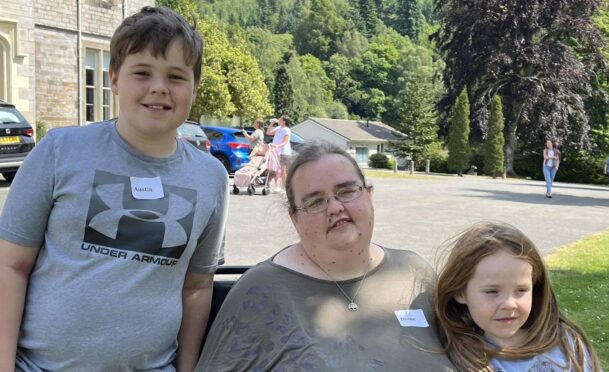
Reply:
x=275, y=319
x=105, y=293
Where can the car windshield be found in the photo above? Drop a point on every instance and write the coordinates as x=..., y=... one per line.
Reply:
x=296, y=138
x=191, y=130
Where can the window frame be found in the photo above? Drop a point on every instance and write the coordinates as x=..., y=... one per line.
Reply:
x=96, y=61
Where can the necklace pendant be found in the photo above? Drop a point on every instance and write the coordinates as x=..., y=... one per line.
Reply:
x=352, y=306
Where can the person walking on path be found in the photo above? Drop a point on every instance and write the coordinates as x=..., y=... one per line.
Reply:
x=551, y=159
x=281, y=141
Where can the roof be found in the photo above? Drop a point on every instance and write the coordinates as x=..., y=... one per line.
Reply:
x=360, y=130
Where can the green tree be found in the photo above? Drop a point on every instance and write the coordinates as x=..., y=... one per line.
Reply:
x=315, y=90
x=540, y=56
x=367, y=11
x=493, y=146
x=319, y=34
x=458, y=135
x=283, y=91
x=409, y=19
x=417, y=119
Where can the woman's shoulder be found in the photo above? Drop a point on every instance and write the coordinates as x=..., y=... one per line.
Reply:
x=401, y=255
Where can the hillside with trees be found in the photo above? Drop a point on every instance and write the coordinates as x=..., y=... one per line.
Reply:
x=405, y=62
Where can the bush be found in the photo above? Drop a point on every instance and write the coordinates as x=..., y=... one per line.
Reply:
x=41, y=129
x=438, y=159
x=378, y=160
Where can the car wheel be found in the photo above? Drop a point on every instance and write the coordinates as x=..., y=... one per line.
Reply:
x=224, y=160
x=8, y=176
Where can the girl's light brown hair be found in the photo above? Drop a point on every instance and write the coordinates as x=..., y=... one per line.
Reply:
x=464, y=341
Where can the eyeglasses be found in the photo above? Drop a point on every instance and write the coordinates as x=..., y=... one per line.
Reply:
x=318, y=204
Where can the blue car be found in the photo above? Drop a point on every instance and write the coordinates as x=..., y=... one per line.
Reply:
x=228, y=145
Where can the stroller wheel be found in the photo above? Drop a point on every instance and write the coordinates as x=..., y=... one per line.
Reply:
x=235, y=190
x=265, y=191
x=250, y=190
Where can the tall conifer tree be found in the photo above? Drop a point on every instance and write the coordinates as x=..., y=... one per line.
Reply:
x=493, y=147
x=283, y=91
x=458, y=135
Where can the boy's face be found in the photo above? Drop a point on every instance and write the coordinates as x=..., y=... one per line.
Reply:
x=155, y=94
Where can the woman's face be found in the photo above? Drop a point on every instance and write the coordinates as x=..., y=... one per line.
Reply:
x=341, y=226
x=549, y=144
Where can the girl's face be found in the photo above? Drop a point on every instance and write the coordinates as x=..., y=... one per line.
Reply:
x=549, y=144
x=499, y=297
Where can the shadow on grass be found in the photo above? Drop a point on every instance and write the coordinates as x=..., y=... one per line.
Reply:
x=583, y=298
x=557, y=199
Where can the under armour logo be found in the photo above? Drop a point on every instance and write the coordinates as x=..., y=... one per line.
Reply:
x=107, y=222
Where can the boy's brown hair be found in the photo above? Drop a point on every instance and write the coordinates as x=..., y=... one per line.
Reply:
x=156, y=28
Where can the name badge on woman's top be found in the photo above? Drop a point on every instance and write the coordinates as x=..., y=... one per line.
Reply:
x=411, y=318
x=147, y=188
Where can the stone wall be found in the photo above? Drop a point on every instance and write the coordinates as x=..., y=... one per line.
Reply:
x=18, y=49
x=57, y=52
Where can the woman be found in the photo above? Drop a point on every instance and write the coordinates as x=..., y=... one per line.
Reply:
x=333, y=301
x=281, y=142
x=256, y=138
x=551, y=158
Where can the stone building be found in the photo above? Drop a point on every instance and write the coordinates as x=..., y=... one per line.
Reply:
x=54, y=57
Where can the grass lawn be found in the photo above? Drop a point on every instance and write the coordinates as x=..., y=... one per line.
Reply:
x=580, y=274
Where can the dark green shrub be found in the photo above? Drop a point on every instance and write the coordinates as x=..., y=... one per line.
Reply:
x=378, y=160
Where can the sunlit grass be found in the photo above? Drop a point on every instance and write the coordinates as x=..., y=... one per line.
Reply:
x=580, y=274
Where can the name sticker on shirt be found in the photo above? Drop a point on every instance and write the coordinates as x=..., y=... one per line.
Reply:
x=147, y=188
x=411, y=318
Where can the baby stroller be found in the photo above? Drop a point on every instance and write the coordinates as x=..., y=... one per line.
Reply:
x=254, y=173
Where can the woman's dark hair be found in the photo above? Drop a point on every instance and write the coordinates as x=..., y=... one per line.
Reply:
x=287, y=120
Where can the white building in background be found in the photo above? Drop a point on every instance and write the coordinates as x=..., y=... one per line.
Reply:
x=361, y=138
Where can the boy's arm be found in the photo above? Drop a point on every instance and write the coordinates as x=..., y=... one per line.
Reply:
x=196, y=303
x=16, y=262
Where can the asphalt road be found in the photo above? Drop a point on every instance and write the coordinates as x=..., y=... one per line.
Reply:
x=421, y=214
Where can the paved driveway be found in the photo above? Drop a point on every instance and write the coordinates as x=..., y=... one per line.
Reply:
x=420, y=214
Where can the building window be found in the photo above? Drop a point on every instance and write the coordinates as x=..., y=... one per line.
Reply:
x=99, y=102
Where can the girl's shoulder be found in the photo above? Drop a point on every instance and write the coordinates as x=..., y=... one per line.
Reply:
x=551, y=360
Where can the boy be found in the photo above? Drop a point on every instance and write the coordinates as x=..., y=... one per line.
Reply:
x=115, y=229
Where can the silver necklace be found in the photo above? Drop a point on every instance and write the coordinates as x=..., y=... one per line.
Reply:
x=352, y=306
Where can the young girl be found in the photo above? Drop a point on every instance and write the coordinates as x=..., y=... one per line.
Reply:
x=497, y=310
